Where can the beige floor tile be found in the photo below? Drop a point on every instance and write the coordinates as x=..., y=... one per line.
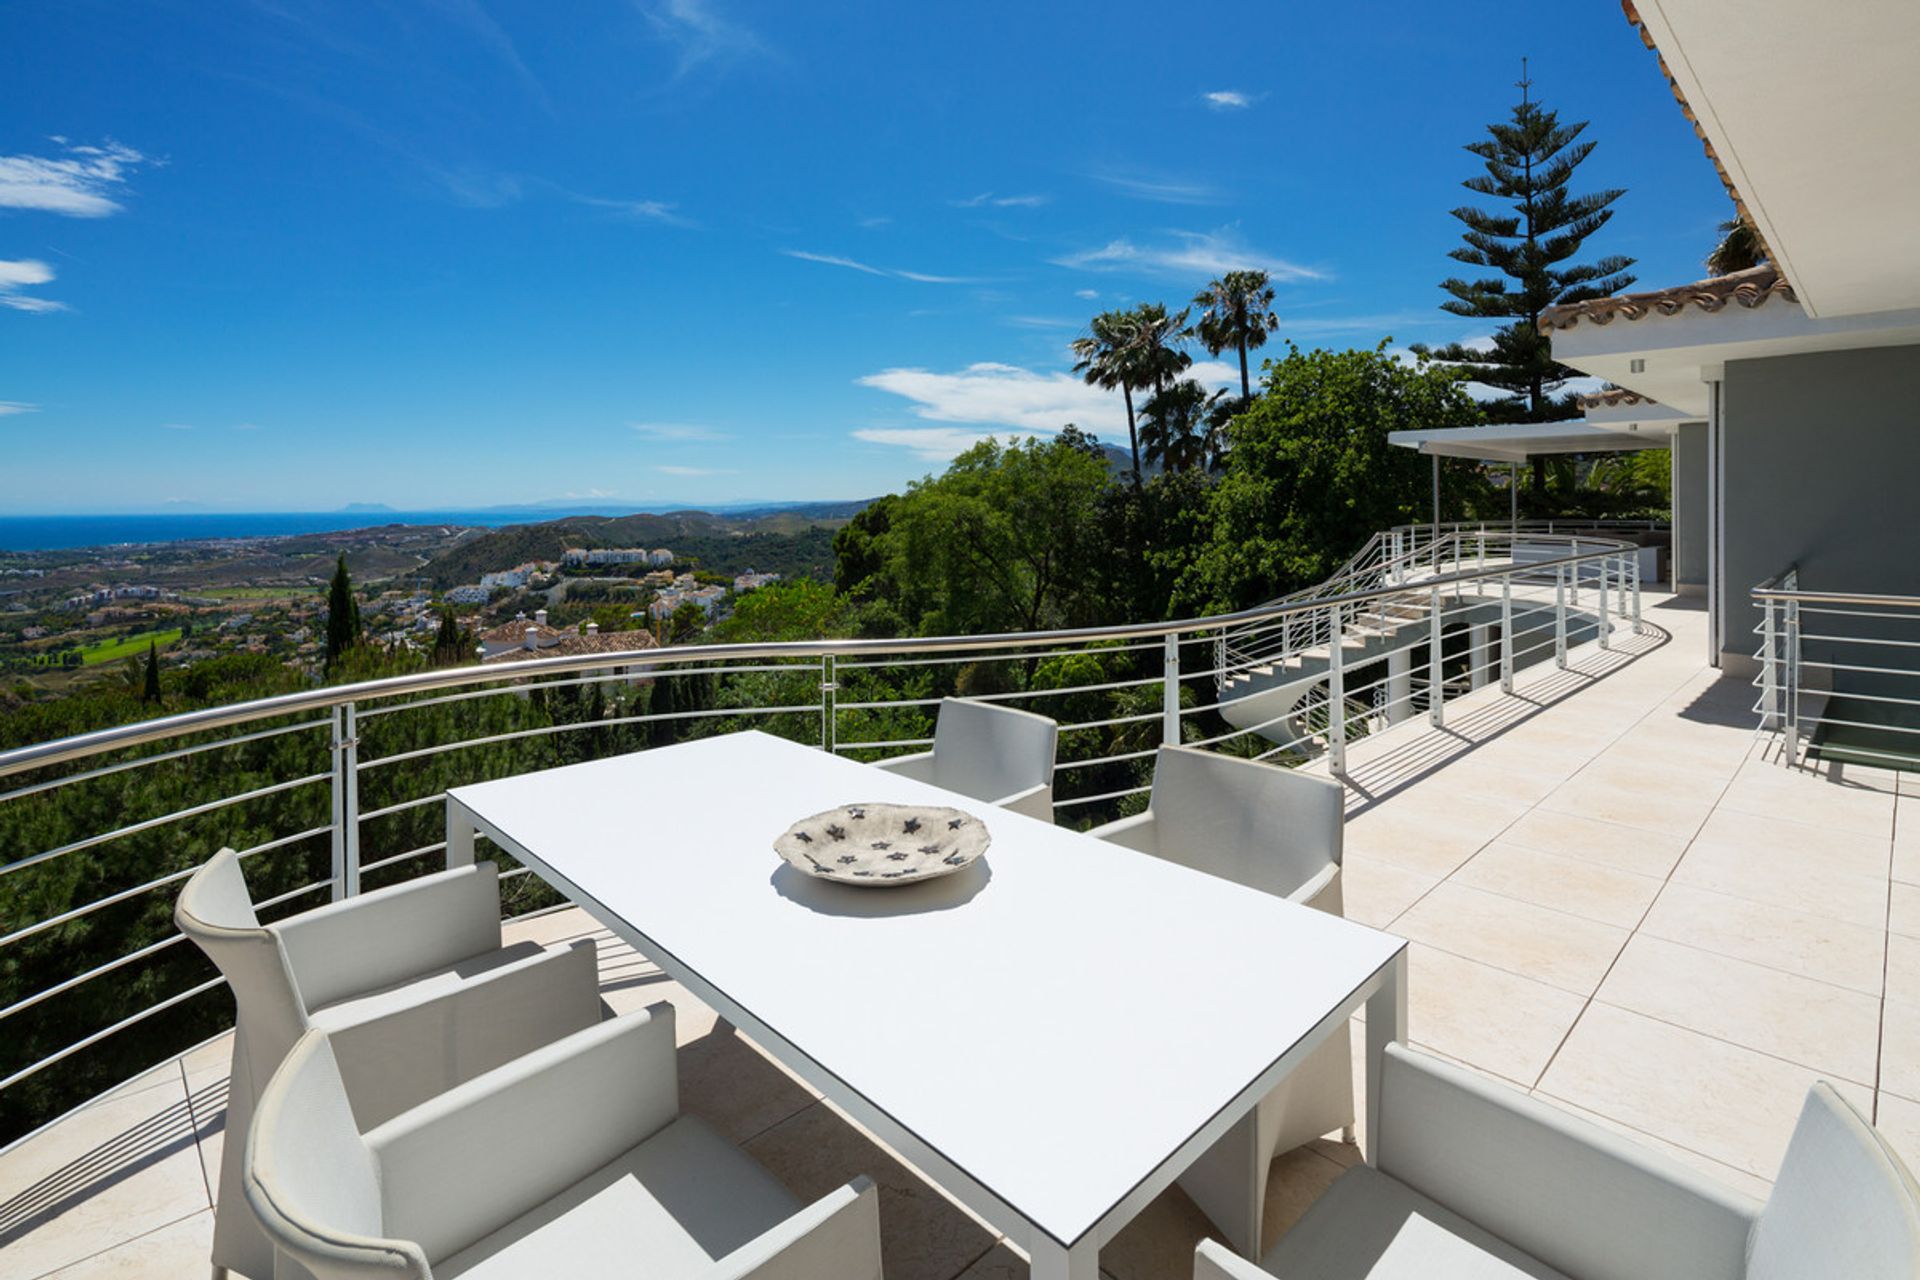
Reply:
x=1430, y=835
x=999, y=1263
x=1487, y=1018
x=1561, y=950
x=1725, y=1174
x=1572, y=885
x=1900, y=1048
x=1813, y=946
x=727, y=1081
x=1783, y=880
x=177, y=1249
x=1615, y=801
x=1499, y=784
x=1771, y=791
x=1903, y=911
x=1590, y=839
x=1827, y=848
x=1376, y=892
x=1898, y=1120
x=1734, y=1105
x=1815, y=1024
x=1159, y=1242
x=106, y=1174
x=1903, y=968
x=1906, y=838
x=924, y=1235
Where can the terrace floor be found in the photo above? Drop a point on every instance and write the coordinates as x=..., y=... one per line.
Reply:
x=1614, y=902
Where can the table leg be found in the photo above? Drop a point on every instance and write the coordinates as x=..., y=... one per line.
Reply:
x=459, y=836
x=1386, y=1024
x=1051, y=1262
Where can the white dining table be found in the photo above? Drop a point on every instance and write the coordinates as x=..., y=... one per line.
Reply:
x=1051, y=1035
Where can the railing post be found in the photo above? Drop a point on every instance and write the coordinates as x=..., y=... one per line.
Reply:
x=1170, y=690
x=1772, y=658
x=1792, y=688
x=1605, y=626
x=1436, y=690
x=1560, y=616
x=1575, y=567
x=1636, y=593
x=1506, y=633
x=1336, y=697
x=346, y=802
x=828, y=688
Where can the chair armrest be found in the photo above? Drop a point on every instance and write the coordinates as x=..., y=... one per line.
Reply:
x=459, y=1166
x=392, y=934
x=1214, y=1261
x=1035, y=802
x=1138, y=833
x=404, y=1047
x=837, y=1237
x=918, y=766
x=1314, y=892
x=1580, y=1198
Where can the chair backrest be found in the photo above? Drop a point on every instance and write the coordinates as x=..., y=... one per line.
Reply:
x=312, y=1180
x=991, y=752
x=216, y=911
x=1259, y=825
x=1843, y=1205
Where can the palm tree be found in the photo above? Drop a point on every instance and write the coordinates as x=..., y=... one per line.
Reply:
x=1174, y=424
x=1108, y=359
x=1237, y=311
x=1216, y=440
x=1740, y=247
x=1158, y=338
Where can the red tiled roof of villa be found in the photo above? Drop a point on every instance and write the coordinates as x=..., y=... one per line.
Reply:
x=1753, y=287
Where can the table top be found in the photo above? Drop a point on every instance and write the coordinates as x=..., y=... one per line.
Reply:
x=1055, y=1020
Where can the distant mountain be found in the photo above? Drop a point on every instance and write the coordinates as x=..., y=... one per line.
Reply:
x=366, y=506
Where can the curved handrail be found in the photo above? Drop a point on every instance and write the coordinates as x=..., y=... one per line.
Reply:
x=143, y=732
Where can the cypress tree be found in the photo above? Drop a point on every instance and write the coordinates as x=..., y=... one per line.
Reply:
x=150, y=692
x=1528, y=161
x=449, y=644
x=343, y=613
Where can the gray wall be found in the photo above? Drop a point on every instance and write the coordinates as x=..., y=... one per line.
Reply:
x=1822, y=457
x=1690, y=508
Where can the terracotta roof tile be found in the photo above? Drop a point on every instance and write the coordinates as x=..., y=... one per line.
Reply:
x=1751, y=288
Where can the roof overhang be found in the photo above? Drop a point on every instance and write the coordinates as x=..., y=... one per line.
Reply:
x=1809, y=110
x=1668, y=358
x=1518, y=441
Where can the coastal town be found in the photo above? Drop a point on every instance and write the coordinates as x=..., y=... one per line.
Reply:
x=70, y=617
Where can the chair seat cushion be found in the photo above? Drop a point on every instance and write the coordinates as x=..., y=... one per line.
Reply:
x=1369, y=1227
x=381, y=1002
x=668, y=1209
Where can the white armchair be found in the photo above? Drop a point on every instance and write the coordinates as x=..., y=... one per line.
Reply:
x=571, y=1161
x=412, y=981
x=1279, y=831
x=1472, y=1179
x=991, y=753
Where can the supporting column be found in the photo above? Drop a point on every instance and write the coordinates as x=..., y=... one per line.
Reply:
x=1479, y=655
x=1506, y=633
x=1436, y=512
x=1399, y=685
x=1436, y=688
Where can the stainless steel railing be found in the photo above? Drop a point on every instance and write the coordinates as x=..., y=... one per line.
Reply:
x=1839, y=673
x=334, y=786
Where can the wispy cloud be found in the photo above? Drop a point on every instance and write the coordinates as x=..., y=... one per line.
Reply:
x=987, y=199
x=668, y=470
x=1188, y=254
x=176, y=426
x=246, y=426
x=892, y=273
x=76, y=183
x=641, y=210
x=1230, y=100
x=25, y=273
x=1088, y=294
x=1160, y=188
x=488, y=189
x=877, y=220
x=17, y=406
x=1044, y=322
x=676, y=432
x=473, y=16
x=701, y=34
x=931, y=444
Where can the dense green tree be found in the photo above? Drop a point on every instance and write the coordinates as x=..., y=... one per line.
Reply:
x=1173, y=425
x=150, y=685
x=450, y=647
x=686, y=623
x=1311, y=475
x=343, y=614
x=1529, y=163
x=1236, y=311
x=798, y=610
x=859, y=564
x=1002, y=541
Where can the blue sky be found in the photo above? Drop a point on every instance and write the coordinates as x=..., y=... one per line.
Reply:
x=293, y=254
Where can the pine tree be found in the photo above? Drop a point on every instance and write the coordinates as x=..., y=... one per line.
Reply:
x=150, y=690
x=1529, y=162
x=343, y=613
x=449, y=643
